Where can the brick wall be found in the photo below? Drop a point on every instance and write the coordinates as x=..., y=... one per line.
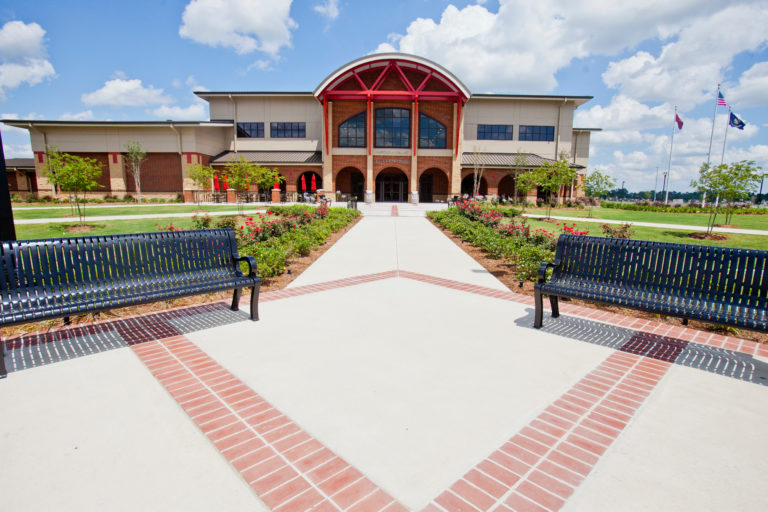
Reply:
x=160, y=172
x=103, y=180
x=13, y=185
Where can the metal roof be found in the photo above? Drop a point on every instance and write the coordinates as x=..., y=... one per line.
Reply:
x=272, y=157
x=20, y=163
x=527, y=160
x=25, y=123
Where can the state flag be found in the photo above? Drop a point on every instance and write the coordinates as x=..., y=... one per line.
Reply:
x=736, y=122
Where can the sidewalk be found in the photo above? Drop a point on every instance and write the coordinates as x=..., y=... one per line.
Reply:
x=394, y=374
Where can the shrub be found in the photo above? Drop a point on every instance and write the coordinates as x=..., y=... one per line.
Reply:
x=202, y=221
x=617, y=231
x=527, y=260
x=226, y=221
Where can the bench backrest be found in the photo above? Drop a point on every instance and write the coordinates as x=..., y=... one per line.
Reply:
x=68, y=262
x=719, y=274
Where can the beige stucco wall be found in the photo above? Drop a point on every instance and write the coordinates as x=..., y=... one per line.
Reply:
x=269, y=109
x=519, y=112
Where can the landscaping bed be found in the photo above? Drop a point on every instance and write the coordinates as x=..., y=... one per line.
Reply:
x=515, y=265
x=280, y=259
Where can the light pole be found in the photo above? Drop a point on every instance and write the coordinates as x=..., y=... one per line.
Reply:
x=656, y=184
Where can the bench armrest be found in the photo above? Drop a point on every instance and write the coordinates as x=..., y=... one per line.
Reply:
x=545, y=265
x=251, y=264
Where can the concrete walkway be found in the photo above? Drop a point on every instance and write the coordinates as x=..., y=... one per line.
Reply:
x=394, y=374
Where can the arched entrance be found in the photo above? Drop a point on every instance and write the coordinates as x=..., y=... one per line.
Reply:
x=468, y=184
x=508, y=187
x=433, y=186
x=392, y=186
x=308, y=181
x=351, y=181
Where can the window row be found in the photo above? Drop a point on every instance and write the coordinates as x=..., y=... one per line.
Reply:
x=276, y=130
x=392, y=129
x=505, y=132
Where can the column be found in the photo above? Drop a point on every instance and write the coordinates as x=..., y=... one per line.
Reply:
x=116, y=172
x=369, y=185
x=328, y=185
x=456, y=155
x=414, y=158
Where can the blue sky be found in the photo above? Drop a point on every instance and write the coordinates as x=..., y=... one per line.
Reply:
x=141, y=60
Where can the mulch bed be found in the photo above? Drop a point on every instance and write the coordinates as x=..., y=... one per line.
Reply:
x=504, y=273
x=294, y=270
x=700, y=235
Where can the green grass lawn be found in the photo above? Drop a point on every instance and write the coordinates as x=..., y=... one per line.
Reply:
x=102, y=210
x=662, y=235
x=691, y=219
x=112, y=227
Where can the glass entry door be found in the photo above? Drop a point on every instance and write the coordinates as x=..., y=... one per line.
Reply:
x=391, y=187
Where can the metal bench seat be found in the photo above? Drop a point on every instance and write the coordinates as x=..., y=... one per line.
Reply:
x=42, y=279
x=716, y=284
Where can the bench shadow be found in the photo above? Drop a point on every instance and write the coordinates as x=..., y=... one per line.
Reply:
x=729, y=363
x=42, y=348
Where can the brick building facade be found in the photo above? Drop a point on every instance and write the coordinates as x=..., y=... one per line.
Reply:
x=386, y=127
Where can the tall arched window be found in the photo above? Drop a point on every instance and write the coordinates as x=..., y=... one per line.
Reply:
x=431, y=132
x=352, y=132
x=393, y=128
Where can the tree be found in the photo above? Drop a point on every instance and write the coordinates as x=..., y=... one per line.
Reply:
x=727, y=182
x=522, y=187
x=201, y=175
x=242, y=173
x=597, y=185
x=477, y=171
x=135, y=156
x=74, y=174
x=551, y=177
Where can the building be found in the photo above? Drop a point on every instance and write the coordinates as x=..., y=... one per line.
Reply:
x=385, y=127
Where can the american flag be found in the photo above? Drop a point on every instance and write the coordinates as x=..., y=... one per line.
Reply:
x=720, y=99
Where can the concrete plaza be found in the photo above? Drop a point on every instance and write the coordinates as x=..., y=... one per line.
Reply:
x=394, y=374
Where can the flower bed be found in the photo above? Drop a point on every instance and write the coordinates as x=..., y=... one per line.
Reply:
x=521, y=248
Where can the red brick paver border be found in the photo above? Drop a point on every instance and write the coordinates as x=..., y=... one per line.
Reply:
x=287, y=468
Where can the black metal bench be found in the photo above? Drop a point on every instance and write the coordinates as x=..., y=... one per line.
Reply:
x=714, y=284
x=44, y=279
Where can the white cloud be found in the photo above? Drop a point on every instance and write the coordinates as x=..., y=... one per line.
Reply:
x=329, y=9
x=623, y=120
x=522, y=46
x=261, y=64
x=244, y=25
x=22, y=52
x=126, y=93
x=17, y=150
x=752, y=89
x=85, y=115
x=194, y=112
x=686, y=70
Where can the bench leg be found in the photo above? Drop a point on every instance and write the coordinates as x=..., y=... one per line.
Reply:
x=3, y=371
x=236, y=299
x=554, y=305
x=255, y=303
x=67, y=320
x=685, y=321
x=539, y=309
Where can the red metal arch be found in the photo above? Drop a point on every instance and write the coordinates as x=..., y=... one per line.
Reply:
x=386, y=66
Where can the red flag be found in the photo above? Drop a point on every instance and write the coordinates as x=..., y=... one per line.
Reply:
x=314, y=183
x=303, y=184
x=678, y=121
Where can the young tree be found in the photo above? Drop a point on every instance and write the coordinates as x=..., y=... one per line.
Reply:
x=201, y=175
x=551, y=177
x=266, y=178
x=135, y=156
x=74, y=174
x=597, y=185
x=727, y=182
x=525, y=183
x=477, y=172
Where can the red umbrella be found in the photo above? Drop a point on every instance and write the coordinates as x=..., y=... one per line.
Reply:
x=276, y=187
x=226, y=185
x=303, y=184
x=314, y=183
x=215, y=182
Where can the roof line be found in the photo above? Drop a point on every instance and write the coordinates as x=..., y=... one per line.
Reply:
x=40, y=122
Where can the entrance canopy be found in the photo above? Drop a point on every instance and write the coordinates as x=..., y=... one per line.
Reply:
x=392, y=76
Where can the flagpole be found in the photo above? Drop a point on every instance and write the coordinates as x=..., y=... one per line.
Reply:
x=725, y=137
x=669, y=164
x=711, y=135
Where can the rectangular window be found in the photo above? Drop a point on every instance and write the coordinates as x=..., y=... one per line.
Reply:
x=250, y=130
x=545, y=133
x=287, y=130
x=494, y=132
